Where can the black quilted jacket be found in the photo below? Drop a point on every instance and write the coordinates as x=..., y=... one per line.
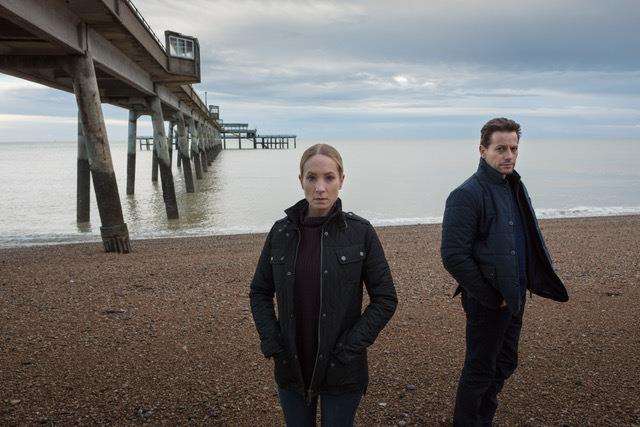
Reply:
x=478, y=242
x=351, y=256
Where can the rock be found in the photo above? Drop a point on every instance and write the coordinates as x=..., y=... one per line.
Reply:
x=113, y=311
x=15, y=401
x=382, y=404
x=144, y=413
x=410, y=387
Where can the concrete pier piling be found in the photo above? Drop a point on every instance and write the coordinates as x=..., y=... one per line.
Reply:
x=202, y=141
x=131, y=151
x=210, y=154
x=83, y=210
x=115, y=235
x=183, y=153
x=162, y=152
x=170, y=140
x=195, y=150
x=154, y=165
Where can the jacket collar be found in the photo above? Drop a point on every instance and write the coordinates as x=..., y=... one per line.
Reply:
x=493, y=175
x=294, y=212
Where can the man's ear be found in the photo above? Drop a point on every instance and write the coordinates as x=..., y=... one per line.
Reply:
x=482, y=150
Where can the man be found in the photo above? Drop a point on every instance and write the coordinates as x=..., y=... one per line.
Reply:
x=493, y=248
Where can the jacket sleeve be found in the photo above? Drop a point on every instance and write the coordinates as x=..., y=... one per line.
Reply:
x=262, y=307
x=459, y=232
x=382, y=301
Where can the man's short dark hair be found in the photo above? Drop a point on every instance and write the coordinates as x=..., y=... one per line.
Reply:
x=499, y=124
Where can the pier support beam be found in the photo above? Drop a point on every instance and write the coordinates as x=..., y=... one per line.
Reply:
x=83, y=198
x=160, y=149
x=154, y=165
x=183, y=153
x=170, y=138
x=131, y=151
x=202, y=143
x=115, y=235
x=195, y=151
x=210, y=154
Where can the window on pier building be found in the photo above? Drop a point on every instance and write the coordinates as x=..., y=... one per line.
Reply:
x=181, y=47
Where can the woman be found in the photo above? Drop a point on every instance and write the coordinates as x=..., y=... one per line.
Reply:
x=315, y=261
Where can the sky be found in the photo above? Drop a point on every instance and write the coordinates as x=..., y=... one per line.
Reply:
x=384, y=70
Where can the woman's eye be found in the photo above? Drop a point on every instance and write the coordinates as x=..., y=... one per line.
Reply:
x=311, y=178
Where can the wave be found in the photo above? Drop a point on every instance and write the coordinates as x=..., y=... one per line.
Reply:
x=544, y=213
x=56, y=239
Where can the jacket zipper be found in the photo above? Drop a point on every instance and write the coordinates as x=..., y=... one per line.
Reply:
x=315, y=363
x=295, y=260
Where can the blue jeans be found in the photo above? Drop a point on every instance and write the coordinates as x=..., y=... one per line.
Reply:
x=335, y=410
x=491, y=358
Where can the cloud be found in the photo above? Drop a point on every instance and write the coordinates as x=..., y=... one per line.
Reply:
x=324, y=68
x=40, y=119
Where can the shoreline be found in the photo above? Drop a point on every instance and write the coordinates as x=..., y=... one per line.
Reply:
x=95, y=238
x=165, y=335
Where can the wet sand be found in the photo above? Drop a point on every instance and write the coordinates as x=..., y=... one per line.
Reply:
x=164, y=335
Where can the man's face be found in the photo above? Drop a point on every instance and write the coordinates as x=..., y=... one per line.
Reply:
x=502, y=151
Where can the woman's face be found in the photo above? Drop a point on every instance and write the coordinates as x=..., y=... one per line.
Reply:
x=321, y=183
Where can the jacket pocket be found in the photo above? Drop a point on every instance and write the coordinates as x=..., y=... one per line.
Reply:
x=277, y=260
x=489, y=274
x=347, y=374
x=350, y=260
x=283, y=369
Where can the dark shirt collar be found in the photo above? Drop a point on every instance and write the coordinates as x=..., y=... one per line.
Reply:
x=485, y=170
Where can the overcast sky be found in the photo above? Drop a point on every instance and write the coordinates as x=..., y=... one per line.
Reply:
x=329, y=70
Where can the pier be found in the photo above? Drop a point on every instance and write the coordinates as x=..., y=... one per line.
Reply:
x=104, y=51
x=241, y=131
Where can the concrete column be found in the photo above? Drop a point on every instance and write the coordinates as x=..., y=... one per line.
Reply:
x=161, y=150
x=115, y=235
x=202, y=141
x=195, y=151
x=83, y=189
x=170, y=138
x=131, y=151
x=154, y=164
x=183, y=153
x=210, y=154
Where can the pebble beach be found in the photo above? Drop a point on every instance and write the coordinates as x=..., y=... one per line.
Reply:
x=164, y=335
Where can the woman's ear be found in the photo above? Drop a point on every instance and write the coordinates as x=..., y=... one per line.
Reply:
x=300, y=179
x=342, y=181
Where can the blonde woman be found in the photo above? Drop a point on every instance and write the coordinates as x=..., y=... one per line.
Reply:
x=316, y=261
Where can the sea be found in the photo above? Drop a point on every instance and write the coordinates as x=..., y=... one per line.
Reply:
x=391, y=182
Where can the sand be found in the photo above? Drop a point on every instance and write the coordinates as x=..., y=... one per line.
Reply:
x=164, y=335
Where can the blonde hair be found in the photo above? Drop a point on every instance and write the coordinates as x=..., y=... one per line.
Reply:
x=325, y=150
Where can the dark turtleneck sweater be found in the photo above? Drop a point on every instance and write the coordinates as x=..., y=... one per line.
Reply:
x=307, y=292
